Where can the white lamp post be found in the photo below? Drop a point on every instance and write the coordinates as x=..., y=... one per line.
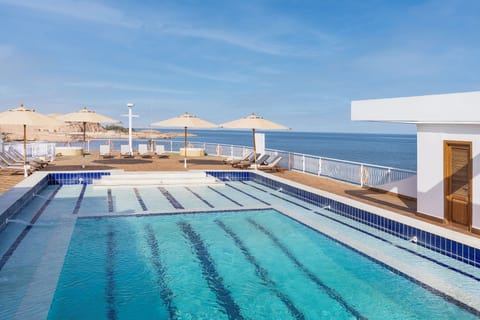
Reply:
x=130, y=107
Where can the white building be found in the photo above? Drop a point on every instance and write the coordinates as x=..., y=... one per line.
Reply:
x=448, y=151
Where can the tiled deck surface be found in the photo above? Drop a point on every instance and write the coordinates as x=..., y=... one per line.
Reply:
x=175, y=163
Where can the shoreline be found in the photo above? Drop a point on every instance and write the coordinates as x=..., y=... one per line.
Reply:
x=15, y=134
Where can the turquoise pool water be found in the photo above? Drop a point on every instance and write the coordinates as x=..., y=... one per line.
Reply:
x=256, y=264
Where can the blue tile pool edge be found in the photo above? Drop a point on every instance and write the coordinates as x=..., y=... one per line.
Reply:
x=17, y=197
x=81, y=177
x=13, y=200
x=450, y=248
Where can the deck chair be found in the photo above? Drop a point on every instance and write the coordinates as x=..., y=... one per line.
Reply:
x=17, y=168
x=13, y=154
x=13, y=157
x=160, y=151
x=251, y=161
x=232, y=161
x=8, y=160
x=9, y=163
x=125, y=151
x=143, y=151
x=272, y=165
x=105, y=151
x=262, y=159
x=248, y=158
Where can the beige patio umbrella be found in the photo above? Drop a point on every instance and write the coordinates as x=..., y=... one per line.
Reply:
x=27, y=117
x=185, y=121
x=86, y=116
x=253, y=122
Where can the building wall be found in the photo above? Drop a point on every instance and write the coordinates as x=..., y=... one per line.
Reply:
x=430, y=191
x=406, y=187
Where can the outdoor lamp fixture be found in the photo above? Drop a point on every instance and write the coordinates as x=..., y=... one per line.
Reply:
x=130, y=107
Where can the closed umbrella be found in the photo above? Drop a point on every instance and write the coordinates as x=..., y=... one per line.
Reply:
x=27, y=117
x=185, y=121
x=86, y=116
x=253, y=122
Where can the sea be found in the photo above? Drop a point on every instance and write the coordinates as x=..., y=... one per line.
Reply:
x=391, y=150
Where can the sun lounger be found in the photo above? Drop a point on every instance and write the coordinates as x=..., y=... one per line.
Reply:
x=272, y=165
x=143, y=151
x=6, y=159
x=248, y=158
x=18, y=157
x=14, y=151
x=39, y=163
x=105, y=151
x=232, y=161
x=245, y=164
x=262, y=159
x=125, y=151
x=16, y=167
x=160, y=151
x=13, y=156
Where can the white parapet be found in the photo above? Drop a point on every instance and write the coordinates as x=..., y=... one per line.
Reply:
x=149, y=179
x=458, y=108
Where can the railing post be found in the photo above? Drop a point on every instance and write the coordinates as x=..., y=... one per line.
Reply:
x=171, y=145
x=319, y=166
x=361, y=175
x=303, y=163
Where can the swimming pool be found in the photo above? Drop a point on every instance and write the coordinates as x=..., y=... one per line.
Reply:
x=239, y=250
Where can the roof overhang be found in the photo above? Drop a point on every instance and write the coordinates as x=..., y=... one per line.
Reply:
x=453, y=108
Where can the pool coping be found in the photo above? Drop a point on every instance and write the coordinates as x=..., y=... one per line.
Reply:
x=15, y=198
x=451, y=234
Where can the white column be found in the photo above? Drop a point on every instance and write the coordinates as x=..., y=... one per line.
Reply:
x=130, y=146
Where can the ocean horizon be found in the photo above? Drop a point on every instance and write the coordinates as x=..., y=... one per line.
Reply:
x=391, y=150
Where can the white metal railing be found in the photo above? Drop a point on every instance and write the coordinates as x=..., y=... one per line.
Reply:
x=44, y=150
x=349, y=171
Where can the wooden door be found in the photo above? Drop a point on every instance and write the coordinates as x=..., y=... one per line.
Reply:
x=458, y=183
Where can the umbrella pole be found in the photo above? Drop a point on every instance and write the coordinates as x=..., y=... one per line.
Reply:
x=254, y=150
x=25, y=171
x=185, y=148
x=83, y=150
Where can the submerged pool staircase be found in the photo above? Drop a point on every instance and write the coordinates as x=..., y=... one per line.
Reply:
x=149, y=179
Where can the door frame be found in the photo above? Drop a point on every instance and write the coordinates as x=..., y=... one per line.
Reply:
x=446, y=182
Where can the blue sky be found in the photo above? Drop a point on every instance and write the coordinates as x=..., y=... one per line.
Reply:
x=299, y=63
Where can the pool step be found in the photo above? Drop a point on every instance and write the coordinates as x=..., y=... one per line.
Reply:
x=138, y=179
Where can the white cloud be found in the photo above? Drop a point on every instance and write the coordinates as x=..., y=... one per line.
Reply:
x=83, y=10
x=175, y=24
x=205, y=75
x=243, y=41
